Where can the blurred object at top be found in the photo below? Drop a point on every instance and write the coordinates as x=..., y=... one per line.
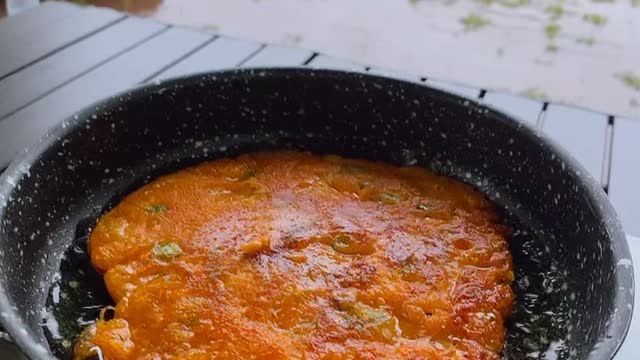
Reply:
x=140, y=7
x=16, y=6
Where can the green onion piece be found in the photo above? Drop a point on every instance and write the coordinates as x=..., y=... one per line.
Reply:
x=389, y=198
x=167, y=250
x=408, y=269
x=595, y=19
x=368, y=313
x=155, y=208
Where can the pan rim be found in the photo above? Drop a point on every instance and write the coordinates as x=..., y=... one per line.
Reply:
x=624, y=296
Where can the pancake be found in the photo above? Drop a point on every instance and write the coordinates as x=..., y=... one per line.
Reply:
x=289, y=255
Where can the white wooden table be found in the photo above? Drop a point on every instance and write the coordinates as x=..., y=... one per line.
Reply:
x=58, y=57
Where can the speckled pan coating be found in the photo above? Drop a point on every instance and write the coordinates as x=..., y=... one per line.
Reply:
x=95, y=157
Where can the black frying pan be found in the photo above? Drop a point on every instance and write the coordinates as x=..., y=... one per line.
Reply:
x=574, y=279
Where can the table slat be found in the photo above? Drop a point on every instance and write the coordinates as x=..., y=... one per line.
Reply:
x=393, y=74
x=524, y=109
x=328, y=62
x=579, y=131
x=273, y=55
x=35, y=45
x=461, y=90
x=118, y=74
x=624, y=187
x=28, y=85
x=36, y=19
x=223, y=52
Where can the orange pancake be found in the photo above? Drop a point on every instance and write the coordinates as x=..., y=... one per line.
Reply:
x=289, y=255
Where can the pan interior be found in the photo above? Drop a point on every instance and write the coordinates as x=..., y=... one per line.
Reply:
x=570, y=276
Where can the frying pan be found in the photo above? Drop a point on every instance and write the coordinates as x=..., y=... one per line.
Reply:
x=574, y=281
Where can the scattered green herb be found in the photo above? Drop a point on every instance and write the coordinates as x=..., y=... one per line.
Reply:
x=473, y=22
x=552, y=30
x=535, y=94
x=630, y=79
x=595, y=19
x=552, y=47
x=514, y=3
x=167, y=250
x=155, y=208
x=506, y=3
x=556, y=11
x=589, y=41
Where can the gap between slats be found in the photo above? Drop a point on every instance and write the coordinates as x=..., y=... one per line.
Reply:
x=605, y=170
x=608, y=153
x=63, y=47
x=86, y=71
x=173, y=63
x=254, y=53
x=310, y=59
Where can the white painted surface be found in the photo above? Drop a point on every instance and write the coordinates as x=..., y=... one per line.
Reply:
x=427, y=37
x=630, y=350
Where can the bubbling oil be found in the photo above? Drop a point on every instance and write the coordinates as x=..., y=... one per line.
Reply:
x=537, y=328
